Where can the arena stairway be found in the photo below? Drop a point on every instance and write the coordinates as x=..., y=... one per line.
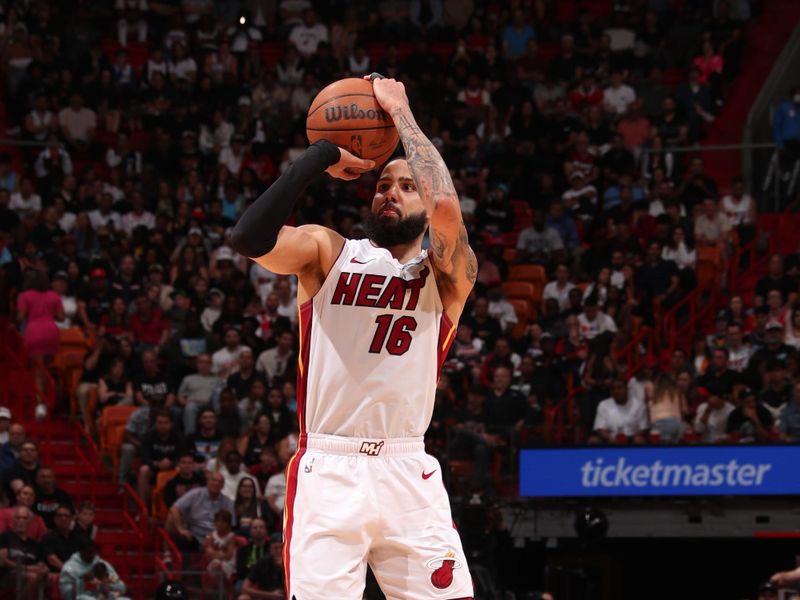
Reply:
x=124, y=536
x=123, y=530
x=764, y=41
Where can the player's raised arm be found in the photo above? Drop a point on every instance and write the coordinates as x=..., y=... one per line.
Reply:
x=450, y=250
x=261, y=234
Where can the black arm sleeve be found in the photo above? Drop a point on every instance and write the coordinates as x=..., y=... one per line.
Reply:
x=257, y=230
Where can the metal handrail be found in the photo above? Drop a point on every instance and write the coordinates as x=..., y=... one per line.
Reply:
x=176, y=565
x=138, y=527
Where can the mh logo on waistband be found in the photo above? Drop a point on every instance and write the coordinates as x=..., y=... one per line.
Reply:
x=371, y=448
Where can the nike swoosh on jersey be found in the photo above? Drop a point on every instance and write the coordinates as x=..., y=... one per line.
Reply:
x=428, y=475
x=359, y=262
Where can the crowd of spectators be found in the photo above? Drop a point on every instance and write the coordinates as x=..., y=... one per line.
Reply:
x=150, y=126
x=44, y=536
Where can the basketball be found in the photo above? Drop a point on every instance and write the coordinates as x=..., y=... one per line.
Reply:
x=346, y=113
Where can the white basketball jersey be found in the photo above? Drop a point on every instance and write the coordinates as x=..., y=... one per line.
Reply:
x=372, y=341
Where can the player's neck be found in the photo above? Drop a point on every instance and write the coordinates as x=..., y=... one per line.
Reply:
x=403, y=252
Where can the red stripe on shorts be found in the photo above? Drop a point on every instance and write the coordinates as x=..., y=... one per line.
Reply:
x=292, y=470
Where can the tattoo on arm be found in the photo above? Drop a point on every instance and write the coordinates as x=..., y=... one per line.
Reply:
x=426, y=164
x=435, y=184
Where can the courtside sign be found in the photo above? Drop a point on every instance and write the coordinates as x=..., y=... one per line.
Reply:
x=663, y=471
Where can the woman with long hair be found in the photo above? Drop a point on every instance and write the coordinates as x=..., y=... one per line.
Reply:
x=38, y=309
x=115, y=387
x=248, y=506
x=117, y=321
x=667, y=408
x=599, y=287
x=188, y=266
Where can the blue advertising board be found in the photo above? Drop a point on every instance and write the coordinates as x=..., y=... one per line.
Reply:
x=661, y=471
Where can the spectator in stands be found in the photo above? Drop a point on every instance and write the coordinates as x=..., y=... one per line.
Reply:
x=775, y=279
x=78, y=123
x=158, y=451
x=24, y=470
x=739, y=352
x=694, y=99
x=139, y=423
x=282, y=419
x=229, y=464
x=667, y=408
x=85, y=575
x=21, y=556
x=265, y=579
x=249, y=554
x=307, y=35
x=539, y=243
x=225, y=361
x=593, y=321
x=25, y=496
x=718, y=376
x=84, y=525
x=501, y=309
x=114, y=388
x=196, y=391
x=190, y=519
x=786, y=123
x=505, y=408
x=564, y=224
x=38, y=308
x=750, y=421
x=187, y=478
x=248, y=505
x=94, y=300
x=9, y=452
x=711, y=420
x=712, y=228
x=61, y=542
x=586, y=94
x=560, y=287
x=153, y=386
x=219, y=547
x=619, y=419
x=49, y=497
x=276, y=363
x=776, y=393
x=618, y=96
x=207, y=438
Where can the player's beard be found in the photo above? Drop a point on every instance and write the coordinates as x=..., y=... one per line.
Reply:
x=387, y=233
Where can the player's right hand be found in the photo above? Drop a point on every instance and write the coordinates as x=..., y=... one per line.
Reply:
x=349, y=167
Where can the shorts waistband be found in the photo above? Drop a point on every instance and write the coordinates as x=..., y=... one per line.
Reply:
x=337, y=444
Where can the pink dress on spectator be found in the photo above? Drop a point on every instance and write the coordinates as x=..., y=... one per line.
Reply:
x=41, y=333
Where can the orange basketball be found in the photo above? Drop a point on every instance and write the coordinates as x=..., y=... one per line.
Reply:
x=346, y=113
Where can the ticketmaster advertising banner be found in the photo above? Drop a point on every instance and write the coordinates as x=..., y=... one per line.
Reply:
x=663, y=471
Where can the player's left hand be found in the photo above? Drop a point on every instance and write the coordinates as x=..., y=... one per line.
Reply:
x=390, y=93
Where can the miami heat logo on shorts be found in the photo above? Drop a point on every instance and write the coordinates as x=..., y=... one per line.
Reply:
x=442, y=567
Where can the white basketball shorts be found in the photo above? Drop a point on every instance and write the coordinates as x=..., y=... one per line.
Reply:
x=353, y=502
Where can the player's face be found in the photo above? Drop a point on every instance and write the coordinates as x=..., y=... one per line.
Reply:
x=396, y=195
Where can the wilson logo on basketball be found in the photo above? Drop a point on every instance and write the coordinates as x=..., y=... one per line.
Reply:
x=353, y=112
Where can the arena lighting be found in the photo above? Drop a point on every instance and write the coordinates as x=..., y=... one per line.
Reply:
x=242, y=20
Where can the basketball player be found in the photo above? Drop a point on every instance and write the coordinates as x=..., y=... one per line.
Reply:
x=377, y=317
